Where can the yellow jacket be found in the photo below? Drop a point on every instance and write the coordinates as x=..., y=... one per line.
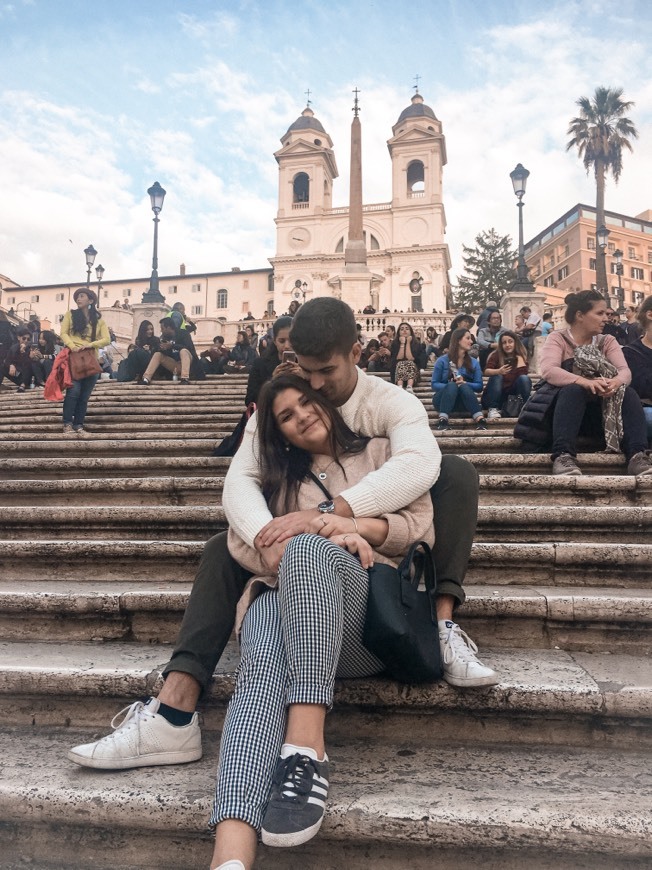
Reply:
x=73, y=341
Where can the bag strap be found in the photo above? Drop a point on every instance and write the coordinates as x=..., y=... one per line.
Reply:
x=425, y=568
x=316, y=480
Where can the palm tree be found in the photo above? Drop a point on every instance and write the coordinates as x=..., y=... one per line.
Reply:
x=600, y=132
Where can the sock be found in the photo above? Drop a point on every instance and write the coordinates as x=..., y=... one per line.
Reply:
x=289, y=749
x=174, y=716
x=231, y=865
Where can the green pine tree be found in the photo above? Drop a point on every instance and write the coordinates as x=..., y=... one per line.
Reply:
x=488, y=271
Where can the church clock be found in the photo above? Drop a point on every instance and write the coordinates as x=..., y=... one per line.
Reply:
x=299, y=237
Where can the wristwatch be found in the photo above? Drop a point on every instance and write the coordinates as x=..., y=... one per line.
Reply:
x=326, y=507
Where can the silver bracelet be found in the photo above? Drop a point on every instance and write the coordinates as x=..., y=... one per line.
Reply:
x=355, y=524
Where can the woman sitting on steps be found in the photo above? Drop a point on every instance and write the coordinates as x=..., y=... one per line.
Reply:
x=302, y=626
x=456, y=379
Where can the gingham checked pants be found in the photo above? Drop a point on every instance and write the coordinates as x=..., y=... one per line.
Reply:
x=294, y=641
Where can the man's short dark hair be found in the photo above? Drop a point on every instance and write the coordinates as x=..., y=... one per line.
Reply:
x=167, y=321
x=547, y=315
x=322, y=327
x=219, y=338
x=525, y=308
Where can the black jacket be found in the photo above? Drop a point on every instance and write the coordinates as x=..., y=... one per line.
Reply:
x=261, y=372
x=639, y=360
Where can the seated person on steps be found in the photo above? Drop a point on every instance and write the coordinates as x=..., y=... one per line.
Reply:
x=591, y=371
x=176, y=354
x=286, y=676
x=456, y=378
x=507, y=370
x=638, y=355
x=165, y=730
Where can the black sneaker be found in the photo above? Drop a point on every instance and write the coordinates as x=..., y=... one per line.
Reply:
x=442, y=424
x=482, y=424
x=296, y=807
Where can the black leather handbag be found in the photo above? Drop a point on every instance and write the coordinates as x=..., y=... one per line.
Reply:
x=401, y=621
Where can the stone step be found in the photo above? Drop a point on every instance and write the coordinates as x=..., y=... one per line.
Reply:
x=530, y=617
x=580, y=565
x=39, y=467
x=57, y=445
x=544, y=696
x=495, y=523
x=565, y=523
x=487, y=807
x=202, y=490
x=43, y=468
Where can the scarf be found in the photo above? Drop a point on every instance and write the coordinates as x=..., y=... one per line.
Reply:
x=590, y=362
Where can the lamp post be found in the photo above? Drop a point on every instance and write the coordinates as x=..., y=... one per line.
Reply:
x=156, y=196
x=99, y=271
x=519, y=177
x=90, y=253
x=304, y=290
x=602, y=235
x=618, y=257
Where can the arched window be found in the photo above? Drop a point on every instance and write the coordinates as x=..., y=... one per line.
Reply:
x=301, y=188
x=371, y=243
x=223, y=298
x=416, y=178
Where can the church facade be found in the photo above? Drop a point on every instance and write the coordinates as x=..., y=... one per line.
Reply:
x=407, y=257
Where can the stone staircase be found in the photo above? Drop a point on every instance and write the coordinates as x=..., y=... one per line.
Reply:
x=99, y=540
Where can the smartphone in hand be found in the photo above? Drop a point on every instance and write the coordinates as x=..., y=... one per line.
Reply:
x=289, y=356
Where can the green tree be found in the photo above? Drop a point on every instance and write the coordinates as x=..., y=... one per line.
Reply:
x=600, y=133
x=488, y=270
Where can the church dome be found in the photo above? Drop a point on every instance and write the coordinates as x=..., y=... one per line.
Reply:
x=306, y=121
x=417, y=109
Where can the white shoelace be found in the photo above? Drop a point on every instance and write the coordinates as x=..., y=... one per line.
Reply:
x=457, y=644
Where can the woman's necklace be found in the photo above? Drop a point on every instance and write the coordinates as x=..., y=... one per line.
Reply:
x=323, y=469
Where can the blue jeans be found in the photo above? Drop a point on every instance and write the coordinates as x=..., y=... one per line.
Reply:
x=648, y=419
x=494, y=395
x=76, y=401
x=456, y=397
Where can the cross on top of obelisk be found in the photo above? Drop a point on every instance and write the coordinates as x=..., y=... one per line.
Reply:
x=356, y=103
x=307, y=93
x=416, y=84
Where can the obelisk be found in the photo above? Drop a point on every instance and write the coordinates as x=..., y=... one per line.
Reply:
x=355, y=252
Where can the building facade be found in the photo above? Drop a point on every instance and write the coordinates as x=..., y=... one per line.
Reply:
x=406, y=251
x=562, y=257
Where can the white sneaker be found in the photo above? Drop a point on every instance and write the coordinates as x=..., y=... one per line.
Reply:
x=409, y=390
x=493, y=414
x=144, y=738
x=461, y=667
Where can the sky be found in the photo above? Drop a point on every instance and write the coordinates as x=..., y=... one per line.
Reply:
x=100, y=98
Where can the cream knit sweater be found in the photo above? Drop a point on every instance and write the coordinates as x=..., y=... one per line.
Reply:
x=376, y=408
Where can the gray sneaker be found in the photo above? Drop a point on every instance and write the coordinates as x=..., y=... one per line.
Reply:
x=640, y=463
x=565, y=464
x=296, y=807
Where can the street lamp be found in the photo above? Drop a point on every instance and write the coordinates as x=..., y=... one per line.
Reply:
x=99, y=271
x=618, y=257
x=91, y=253
x=304, y=290
x=156, y=196
x=603, y=235
x=519, y=177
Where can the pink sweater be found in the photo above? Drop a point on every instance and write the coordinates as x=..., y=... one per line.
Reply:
x=556, y=351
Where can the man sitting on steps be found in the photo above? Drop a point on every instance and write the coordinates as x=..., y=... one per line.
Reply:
x=165, y=730
x=177, y=354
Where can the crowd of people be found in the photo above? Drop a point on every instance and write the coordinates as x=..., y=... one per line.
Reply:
x=336, y=471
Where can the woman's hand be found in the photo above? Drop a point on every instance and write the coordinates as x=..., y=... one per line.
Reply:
x=282, y=528
x=328, y=525
x=356, y=545
x=288, y=368
x=590, y=385
x=505, y=369
x=607, y=386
